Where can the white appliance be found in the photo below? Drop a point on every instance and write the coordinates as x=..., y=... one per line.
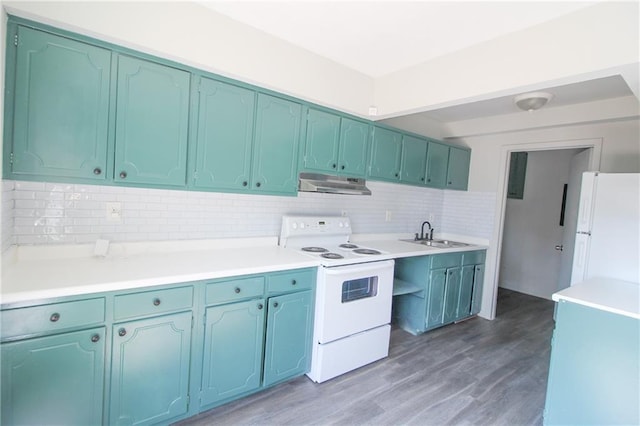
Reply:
x=608, y=228
x=354, y=290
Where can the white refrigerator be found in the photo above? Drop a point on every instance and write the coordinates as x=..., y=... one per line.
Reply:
x=608, y=230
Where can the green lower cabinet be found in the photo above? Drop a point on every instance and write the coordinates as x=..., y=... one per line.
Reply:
x=150, y=370
x=288, y=341
x=232, y=358
x=54, y=379
x=452, y=295
x=478, y=281
x=466, y=292
x=435, y=299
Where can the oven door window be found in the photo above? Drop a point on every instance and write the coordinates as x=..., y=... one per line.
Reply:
x=360, y=288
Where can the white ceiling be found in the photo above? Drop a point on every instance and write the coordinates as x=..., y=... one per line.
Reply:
x=380, y=37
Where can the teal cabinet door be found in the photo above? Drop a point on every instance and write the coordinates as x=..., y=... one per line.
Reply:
x=61, y=109
x=436, y=294
x=288, y=341
x=277, y=138
x=466, y=292
x=414, y=159
x=54, y=380
x=152, y=112
x=354, y=147
x=458, y=171
x=451, y=295
x=223, y=136
x=437, y=161
x=478, y=283
x=150, y=370
x=386, y=149
x=322, y=141
x=232, y=359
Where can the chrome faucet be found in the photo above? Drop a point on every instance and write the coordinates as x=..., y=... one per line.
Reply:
x=426, y=237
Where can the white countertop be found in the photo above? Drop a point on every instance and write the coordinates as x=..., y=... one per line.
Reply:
x=32, y=273
x=607, y=294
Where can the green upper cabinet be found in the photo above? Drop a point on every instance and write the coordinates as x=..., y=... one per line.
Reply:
x=458, y=170
x=61, y=109
x=437, y=160
x=335, y=144
x=386, y=149
x=414, y=158
x=276, y=143
x=322, y=141
x=517, y=173
x=223, y=135
x=152, y=117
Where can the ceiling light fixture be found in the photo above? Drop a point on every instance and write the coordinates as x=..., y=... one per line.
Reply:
x=532, y=101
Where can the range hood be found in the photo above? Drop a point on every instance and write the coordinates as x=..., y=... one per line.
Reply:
x=315, y=182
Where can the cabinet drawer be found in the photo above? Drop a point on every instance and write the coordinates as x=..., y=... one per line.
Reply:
x=229, y=291
x=446, y=260
x=300, y=279
x=473, y=257
x=152, y=302
x=50, y=318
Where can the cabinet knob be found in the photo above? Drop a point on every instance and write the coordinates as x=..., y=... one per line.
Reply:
x=156, y=302
x=334, y=166
x=237, y=290
x=122, y=332
x=245, y=183
x=341, y=167
x=422, y=178
x=54, y=317
x=97, y=171
x=260, y=306
x=396, y=175
x=275, y=304
x=95, y=338
x=449, y=183
x=123, y=175
x=258, y=184
x=293, y=282
x=428, y=179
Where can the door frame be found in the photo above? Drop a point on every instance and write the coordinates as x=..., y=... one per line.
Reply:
x=595, y=146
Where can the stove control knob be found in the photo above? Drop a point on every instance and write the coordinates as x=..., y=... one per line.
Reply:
x=341, y=225
x=294, y=225
x=301, y=225
x=346, y=224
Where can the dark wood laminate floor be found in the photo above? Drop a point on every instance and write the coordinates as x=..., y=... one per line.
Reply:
x=477, y=372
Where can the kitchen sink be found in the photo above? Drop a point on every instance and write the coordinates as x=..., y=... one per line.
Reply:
x=439, y=243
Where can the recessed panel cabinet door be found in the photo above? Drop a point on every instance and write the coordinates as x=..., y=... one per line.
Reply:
x=386, y=149
x=224, y=136
x=61, y=107
x=54, y=380
x=451, y=294
x=275, y=151
x=466, y=291
x=414, y=157
x=458, y=171
x=151, y=123
x=232, y=360
x=150, y=369
x=437, y=160
x=354, y=148
x=323, y=137
x=435, y=308
x=288, y=342
x=478, y=282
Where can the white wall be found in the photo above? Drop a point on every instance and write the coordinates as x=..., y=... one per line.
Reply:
x=529, y=262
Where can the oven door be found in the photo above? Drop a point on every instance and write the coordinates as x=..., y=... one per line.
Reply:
x=352, y=298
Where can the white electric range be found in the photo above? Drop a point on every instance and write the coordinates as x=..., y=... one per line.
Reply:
x=354, y=289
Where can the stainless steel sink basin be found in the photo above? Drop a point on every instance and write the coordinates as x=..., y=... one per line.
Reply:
x=439, y=243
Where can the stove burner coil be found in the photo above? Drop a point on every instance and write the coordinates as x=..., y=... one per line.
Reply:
x=332, y=256
x=315, y=249
x=366, y=251
x=348, y=246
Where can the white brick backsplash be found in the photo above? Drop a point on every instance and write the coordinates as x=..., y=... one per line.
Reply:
x=42, y=213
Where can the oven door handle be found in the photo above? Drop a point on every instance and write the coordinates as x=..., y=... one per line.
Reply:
x=360, y=267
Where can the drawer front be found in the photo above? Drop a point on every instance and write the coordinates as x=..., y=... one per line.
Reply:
x=449, y=260
x=51, y=318
x=473, y=257
x=152, y=302
x=300, y=279
x=232, y=290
